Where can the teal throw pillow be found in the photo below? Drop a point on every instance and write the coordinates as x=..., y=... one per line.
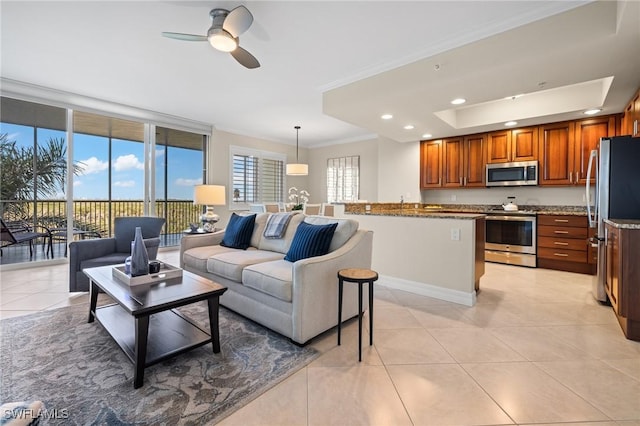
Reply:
x=239, y=231
x=310, y=240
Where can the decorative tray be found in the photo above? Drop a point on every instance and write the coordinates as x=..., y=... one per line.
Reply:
x=166, y=272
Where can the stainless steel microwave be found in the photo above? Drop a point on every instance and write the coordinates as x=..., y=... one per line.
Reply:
x=521, y=173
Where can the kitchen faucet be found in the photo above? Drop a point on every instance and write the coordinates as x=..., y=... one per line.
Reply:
x=401, y=202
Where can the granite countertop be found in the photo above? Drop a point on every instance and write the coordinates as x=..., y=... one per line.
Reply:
x=624, y=223
x=422, y=213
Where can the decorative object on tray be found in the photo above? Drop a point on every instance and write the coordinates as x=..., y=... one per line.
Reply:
x=209, y=195
x=298, y=197
x=139, y=255
x=198, y=231
x=166, y=272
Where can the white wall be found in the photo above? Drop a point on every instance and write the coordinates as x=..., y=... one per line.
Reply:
x=398, y=171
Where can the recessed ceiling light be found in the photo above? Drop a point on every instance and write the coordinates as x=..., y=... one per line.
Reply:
x=458, y=101
x=593, y=111
x=515, y=96
x=427, y=135
x=386, y=116
x=510, y=123
x=409, y=127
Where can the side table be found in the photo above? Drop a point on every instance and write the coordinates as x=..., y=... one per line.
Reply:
x=359, y=276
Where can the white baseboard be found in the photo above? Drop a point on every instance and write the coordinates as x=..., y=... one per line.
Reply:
x=429, y=290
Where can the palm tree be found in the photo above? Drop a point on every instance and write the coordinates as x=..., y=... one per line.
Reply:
x=27, y=172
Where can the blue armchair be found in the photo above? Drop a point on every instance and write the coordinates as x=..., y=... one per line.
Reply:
x=111, y=251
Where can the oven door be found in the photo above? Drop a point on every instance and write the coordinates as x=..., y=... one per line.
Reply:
x=511, y=233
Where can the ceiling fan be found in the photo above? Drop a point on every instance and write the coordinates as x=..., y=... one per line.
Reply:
x=224, y=32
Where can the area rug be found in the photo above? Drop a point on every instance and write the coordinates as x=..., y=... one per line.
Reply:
x=83, y=377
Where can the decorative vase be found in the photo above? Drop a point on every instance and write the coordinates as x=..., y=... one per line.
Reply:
x=139, y=255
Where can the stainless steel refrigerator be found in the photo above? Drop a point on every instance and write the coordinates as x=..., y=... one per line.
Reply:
x=616, y=167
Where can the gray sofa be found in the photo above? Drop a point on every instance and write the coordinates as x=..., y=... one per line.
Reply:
x=296, y=299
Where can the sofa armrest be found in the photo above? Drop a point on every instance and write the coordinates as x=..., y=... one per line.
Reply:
x=315, y=286
x=199, y=240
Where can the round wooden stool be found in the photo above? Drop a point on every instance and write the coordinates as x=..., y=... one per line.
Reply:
x=359, y=276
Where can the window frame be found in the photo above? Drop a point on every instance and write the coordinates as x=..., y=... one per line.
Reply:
x=261, y=155
x=338, y=187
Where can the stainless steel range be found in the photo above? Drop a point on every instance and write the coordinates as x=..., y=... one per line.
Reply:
x=511, y=237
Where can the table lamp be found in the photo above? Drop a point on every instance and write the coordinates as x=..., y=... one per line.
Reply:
x=209, y=195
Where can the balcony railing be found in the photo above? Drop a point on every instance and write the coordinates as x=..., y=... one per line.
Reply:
x=99, y=215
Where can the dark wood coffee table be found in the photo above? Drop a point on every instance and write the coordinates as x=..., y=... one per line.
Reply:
x=144, y=322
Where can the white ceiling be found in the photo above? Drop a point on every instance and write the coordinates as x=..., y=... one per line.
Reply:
x=364, y=58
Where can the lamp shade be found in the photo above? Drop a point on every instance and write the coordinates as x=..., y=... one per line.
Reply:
x=297, y=169
x=209, y=195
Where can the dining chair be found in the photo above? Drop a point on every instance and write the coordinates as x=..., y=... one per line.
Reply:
x=327, y=209
x=272, y=207
x=257, y=208
x=311, y=209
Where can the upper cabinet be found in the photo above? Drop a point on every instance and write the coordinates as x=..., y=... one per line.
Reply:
x=556, y=153
x=512, y=145
x=562, y=149
x=463, y=161
x=631, y=117
x=430, y=164
x=587, y=138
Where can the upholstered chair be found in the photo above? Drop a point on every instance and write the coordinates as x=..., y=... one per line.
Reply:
x=111, y=251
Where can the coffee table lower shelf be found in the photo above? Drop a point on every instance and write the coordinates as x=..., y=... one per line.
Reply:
x=170, y=333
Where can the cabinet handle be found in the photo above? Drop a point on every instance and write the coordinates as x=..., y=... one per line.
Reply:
x=439, y=181
x=460, y=180
x=561, y=220
x=561, y=254
x=570, y=177
x=465, y=181
x=560, y=232
x=560, y=243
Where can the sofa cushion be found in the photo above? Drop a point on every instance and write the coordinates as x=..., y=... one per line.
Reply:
x=239, y=231
x=230, y=264
x=196, y=258
x=281, y=245
x=258, y=229
x=310, y=240
x=272, y=278
x=345, y=230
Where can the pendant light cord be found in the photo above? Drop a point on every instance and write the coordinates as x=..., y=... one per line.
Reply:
x=297, y=129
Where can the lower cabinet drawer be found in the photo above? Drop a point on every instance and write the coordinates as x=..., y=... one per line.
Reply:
x=562, y=243
x=561, y=254
x=562, y=232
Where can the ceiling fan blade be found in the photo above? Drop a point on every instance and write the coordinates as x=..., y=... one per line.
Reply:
x=245, y=58
x=237, y=21
x=185, y=37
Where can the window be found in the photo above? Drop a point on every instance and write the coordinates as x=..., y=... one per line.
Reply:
x=343, y=179
x=257, y=177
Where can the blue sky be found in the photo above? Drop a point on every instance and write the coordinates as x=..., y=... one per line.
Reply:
x=127, y=166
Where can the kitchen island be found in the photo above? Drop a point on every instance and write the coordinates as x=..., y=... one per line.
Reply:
x=434, y=254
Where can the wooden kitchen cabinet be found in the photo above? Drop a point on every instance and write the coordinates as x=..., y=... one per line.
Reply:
x=587, y=138
x=512, y=145
x=463, y=161
x=563, y=245
x=622, y=281
x=556, y=153
x=631, y=117
x=430, y=164
x=453, y=162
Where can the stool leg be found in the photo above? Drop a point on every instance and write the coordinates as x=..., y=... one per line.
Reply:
x=340, y=285
x=370, y=313
x=360, y=321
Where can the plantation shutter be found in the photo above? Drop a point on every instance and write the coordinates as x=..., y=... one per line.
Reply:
x=343, y=179
x=257, y=177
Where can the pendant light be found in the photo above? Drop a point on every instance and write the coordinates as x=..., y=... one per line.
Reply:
x=297, y=168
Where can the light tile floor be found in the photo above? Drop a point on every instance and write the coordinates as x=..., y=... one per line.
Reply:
x=536, y=349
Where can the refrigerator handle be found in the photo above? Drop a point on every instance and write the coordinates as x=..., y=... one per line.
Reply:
x=592, y=217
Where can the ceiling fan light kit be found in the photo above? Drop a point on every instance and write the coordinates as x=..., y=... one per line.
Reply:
x=223, y=35
x=297, y=168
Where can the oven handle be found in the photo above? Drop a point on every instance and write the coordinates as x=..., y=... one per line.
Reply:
x=512, y=218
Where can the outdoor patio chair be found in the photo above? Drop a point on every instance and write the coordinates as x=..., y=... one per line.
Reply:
x=18, y=232
x=111, y=251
